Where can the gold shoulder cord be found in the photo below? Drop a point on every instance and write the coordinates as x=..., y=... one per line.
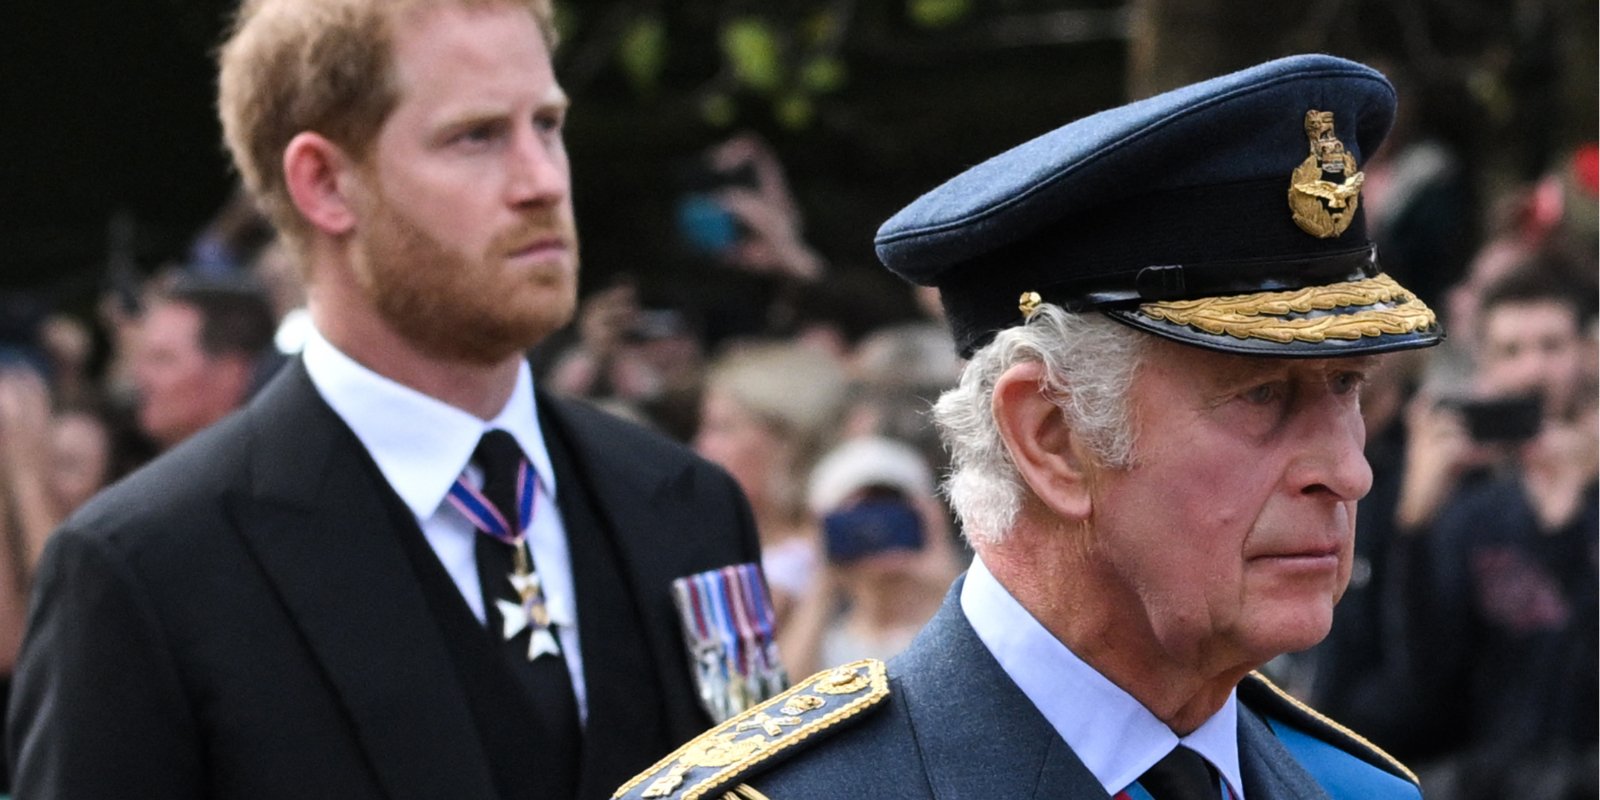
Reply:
x=722, y=754
x=1317, y=715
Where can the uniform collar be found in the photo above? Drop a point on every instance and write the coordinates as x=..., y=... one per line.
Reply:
x=420, y=443
x=1114, y=736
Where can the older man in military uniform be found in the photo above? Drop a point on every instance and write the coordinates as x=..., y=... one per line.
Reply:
x=1169, y=309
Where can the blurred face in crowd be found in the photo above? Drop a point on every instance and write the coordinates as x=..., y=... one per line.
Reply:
x=743, y=444
x=181, y=388
x=81, y=449
x=465, y=242
x=1533, y=346
x=1229, y=539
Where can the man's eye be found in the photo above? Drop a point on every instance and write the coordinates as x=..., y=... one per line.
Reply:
x=1347, y=382
x=549, y=123
x=1553, y=346
x=1263, y=394
x=477, y=135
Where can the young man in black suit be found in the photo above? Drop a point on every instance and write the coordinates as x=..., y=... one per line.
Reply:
x=302, y=601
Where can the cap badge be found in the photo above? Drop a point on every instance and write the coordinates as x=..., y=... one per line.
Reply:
x=1325, y=189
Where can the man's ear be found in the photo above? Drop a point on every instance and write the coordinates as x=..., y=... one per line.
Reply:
x=1042, y=445
x=318, y=175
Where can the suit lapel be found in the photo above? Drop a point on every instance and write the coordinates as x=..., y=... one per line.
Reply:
x=650, y=512
x=624, y=726
x=953, y=686
x=316, y=523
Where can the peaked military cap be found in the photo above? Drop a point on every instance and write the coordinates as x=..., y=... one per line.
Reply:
x=1225, y=215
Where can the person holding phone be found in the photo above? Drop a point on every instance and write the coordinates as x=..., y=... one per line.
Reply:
x=736, y=208
x=1500, y=572
x=888, y=556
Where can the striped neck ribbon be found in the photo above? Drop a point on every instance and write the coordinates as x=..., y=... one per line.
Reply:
x=483, y=514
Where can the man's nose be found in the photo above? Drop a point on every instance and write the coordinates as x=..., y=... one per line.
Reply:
x=537, y=172
x=1330, y=459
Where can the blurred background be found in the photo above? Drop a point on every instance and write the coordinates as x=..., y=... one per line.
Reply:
x=113, y=152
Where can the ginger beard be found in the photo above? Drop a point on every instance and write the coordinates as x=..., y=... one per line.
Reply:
x=456, y=307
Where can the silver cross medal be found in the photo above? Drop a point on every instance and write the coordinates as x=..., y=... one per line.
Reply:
x=530, y=613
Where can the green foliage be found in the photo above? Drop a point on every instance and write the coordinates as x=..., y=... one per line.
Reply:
x=821, y=27
x=794, y=111
x=937, y=13
x=822, y=74
x=753, y=53
x=781, y=59
x=566, y=20
x=642, y=52
x=717, y=109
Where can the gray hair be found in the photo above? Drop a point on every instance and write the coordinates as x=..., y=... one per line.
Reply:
x=1089, y=363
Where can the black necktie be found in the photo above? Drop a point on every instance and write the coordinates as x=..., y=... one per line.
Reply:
x=545, y=679
x=1182, y=775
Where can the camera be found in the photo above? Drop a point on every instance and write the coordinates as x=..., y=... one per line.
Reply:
x=704, y=225
x=873, y=526
x=651, y=325
x=1501, y=419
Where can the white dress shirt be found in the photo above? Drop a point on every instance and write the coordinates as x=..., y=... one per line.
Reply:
x=1115, y=737
x=422, y=444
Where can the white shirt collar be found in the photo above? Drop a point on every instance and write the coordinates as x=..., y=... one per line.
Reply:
x=421, y=444
x=1115, y=736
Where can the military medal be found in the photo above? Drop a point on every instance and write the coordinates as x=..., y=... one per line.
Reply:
x=727, y=623
x=529, y=612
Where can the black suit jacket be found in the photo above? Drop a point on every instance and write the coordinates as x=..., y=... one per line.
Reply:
x=240, y=619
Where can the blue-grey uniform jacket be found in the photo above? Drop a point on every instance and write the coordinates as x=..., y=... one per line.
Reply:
x=944, y=721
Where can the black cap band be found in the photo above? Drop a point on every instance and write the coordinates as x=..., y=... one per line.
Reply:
x=1180, y=281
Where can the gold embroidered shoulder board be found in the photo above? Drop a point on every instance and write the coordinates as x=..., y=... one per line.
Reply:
x=762, y=735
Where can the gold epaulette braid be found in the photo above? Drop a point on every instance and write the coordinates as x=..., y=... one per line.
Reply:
x=707, y=765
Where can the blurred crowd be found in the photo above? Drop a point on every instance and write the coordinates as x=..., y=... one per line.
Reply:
x=1466, y=644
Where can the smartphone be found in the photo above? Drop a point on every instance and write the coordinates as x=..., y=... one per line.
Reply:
x=1502, y=419
x=703, y=224
x=871, y=527
x=651, y=325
